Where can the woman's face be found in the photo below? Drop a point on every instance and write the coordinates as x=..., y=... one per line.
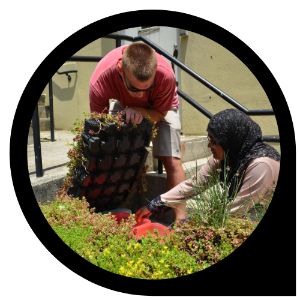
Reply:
x=216, y=149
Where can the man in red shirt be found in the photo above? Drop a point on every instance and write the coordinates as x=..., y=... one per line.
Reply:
x=137, y=77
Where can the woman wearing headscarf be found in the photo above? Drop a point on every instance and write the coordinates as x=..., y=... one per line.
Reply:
x=236, y=144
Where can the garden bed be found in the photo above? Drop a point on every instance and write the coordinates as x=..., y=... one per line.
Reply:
x=111, y=245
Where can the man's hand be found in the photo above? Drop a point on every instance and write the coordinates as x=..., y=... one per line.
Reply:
x=133, y=116
x=142, y=213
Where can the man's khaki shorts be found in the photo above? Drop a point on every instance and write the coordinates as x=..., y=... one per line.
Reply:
x=167, y=142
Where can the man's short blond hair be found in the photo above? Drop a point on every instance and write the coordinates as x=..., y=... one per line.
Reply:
x=140, y=59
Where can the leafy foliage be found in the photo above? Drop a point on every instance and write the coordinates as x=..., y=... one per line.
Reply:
x=208, y=244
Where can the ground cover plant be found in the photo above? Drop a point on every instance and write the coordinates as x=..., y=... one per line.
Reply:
x=210, y=234
x=111, y=246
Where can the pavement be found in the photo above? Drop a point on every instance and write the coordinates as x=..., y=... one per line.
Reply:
x=54, y=156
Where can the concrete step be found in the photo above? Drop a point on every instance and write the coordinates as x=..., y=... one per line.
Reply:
x=44, y=111
x=30, y=136
x=42, y=100
x=192, y=149
x=44, y=124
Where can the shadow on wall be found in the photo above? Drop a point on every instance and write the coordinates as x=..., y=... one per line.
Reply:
x=63, y=89
x=183, y=48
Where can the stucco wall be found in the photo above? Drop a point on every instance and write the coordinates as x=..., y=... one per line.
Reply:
x=225, y=71
x=71, y=98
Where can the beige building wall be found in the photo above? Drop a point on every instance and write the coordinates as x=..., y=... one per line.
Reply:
x=71, y=98
x=224, y=70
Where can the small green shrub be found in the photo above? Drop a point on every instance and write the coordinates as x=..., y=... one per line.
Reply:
x=211, y=203
x=208, y=244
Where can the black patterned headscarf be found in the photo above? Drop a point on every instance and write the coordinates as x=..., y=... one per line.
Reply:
x=241, y=139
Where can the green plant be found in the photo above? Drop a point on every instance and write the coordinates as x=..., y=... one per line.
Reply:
x=210, y=202
x=208, y=244
x=147, y=259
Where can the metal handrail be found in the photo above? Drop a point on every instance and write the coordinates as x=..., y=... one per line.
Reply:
x=85, y=58
x=264, y=112
x=37, y=142
x=67, y=73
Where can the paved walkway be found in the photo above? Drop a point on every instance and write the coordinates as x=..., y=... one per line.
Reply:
x=54, y=155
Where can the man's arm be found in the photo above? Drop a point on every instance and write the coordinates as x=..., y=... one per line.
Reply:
x=99, y=109
x=136, y=114
x=99, y=102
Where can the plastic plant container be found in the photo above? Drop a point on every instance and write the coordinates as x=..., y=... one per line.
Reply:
x=141, y=230
x=124, y=215
x=121, y=215
x=142, y=222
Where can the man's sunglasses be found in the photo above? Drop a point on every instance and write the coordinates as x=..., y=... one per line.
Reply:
x=137, y=90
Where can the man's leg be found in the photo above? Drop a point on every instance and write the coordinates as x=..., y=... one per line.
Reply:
x=175, y=175
x=174, y=170
x=167, y=147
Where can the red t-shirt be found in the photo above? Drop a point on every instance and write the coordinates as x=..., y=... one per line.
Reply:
x=106, y=84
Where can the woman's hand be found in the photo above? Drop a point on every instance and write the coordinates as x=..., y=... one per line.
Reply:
x=142, y=213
